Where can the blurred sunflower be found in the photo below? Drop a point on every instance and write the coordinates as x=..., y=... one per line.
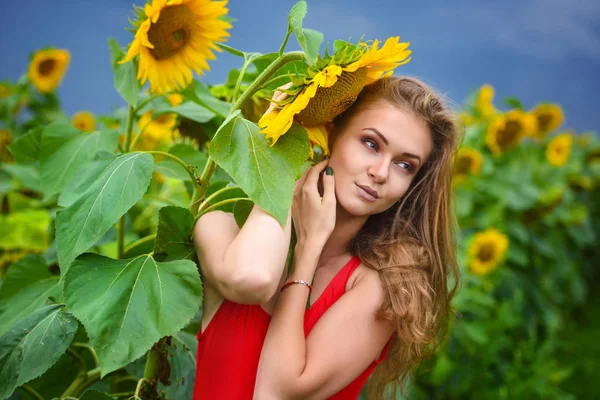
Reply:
x=331, y=86
x=484, y=103
x=158, y=130
x=175, y=99
x=4, y=91
x=549, y=118
x=5, y=140
x=559, y=149
x=47, y=69
x=486, y=251
x=505, y=131
x=175, y=37
x=84, y=121
x=466, y=162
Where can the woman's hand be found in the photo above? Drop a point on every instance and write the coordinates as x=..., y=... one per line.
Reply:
x=313, y=215
x=278, y=96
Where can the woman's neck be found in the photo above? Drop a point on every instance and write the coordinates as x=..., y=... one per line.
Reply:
x=346, y=228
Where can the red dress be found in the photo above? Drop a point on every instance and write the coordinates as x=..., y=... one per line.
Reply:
x=229, y=348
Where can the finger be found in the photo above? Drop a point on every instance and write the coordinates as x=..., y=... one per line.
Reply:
x=328, y=187
x=278, y=96
x=300, y=182
x=312, y=179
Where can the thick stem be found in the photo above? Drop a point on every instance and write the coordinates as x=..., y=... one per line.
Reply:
x=177, y=160
x=121, y=229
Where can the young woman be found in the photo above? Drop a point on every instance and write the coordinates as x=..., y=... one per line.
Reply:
x=374, y=252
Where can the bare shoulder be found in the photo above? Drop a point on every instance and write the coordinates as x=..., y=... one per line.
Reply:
x=365, y=279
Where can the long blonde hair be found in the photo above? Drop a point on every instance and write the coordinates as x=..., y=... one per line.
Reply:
x=411, y=245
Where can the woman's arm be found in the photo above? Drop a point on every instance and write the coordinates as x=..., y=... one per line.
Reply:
x=243, y=265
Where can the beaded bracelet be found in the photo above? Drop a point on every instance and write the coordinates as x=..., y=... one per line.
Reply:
x=299, y=281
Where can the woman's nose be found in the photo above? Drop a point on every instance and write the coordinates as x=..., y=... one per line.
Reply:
x=379, y=171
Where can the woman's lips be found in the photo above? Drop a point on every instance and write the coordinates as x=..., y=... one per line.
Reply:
x=364, y=194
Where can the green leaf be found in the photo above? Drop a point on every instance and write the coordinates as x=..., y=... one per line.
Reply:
x=26, y=149
x=231, y=50
x=65, y=150
x=310, y=42
x=187, y=153
x=33, y=345
x=119, y=187
x=28, y=175
x=266, y=173
x=128, y=305
x=191, y=110
x=182, y=359
x=125, y=80
x=513, y=102
x=231, y=193
x=200, y=93
x=308, y=39
x=83, y=178
x=27, y=286
x=174, y=234
x=241, y=211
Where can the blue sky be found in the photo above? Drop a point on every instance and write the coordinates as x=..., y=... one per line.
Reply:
x=535, y=50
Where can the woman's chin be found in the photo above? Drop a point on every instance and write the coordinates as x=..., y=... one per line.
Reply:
x=356, y=207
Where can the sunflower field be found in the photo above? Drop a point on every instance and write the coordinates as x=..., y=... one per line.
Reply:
x=100, y=291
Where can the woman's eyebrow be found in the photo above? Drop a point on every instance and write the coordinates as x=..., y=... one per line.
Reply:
x=411, y=155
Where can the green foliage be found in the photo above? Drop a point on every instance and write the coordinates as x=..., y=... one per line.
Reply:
x=266, y=173
x=127, y=305
x=124, y=74
x=32, y=345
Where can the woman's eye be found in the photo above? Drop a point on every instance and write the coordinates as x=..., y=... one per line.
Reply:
x=404, y=165
x=371, y=144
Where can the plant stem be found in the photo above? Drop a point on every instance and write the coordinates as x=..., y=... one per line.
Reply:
x=90, y=349
x=207, y=200
x=121, y=229
x=148, y=100
x=264, y=77
x=210, y=167
x=176, y=159
x=219, y=204
x=139, y=242
x=239, y=81
x=160, y=199
x=30, y=391
x=285, y=40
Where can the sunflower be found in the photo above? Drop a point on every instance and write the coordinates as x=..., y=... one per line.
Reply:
x=484, y=103
x=559, y=149
x=486, y=251
x=47, y=69
x=158, y=130
x=5, y=141
x=466, y=162
x=331, y=86
x=505, y=131
x=549, y=118
x=175, y=99
x=84, y=121
x=175, y=37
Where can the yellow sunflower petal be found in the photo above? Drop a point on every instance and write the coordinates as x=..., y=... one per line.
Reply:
x=84, y=121
x=177, y=37
x=318, y=135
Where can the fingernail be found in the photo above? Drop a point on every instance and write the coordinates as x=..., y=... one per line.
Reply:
x=329, y=171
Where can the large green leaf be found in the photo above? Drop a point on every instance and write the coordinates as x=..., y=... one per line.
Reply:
x=26, y=148
x=128, y=305
x=241, y=211
x=28, y=175
x=125, y=74
x=266, y=173
x=231, y=193
x=33, y=345
x=119, y=187
x=173, y=236
x=191, y=110
x=186, y=153
x=26, y=287
x=65, y=149
x=83, y=178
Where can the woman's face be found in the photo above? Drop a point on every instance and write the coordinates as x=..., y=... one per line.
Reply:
x=376, y=156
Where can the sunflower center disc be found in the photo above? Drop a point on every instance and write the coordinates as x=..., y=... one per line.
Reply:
x=171, y=32
x=486, y=252
x=46, y=66
x=544, y=121
x=510, y=134
x=463, y=165
x=330, y=102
